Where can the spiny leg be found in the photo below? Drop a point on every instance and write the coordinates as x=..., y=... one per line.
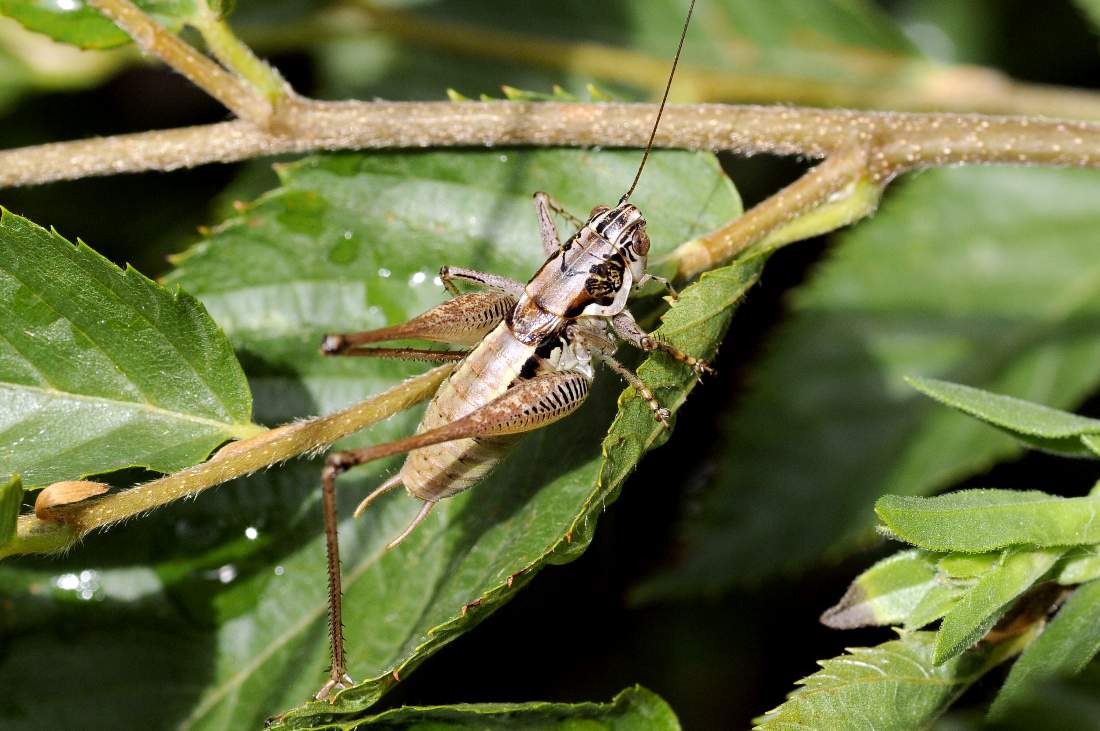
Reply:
x=598, y=343
x=628, y=329
x=528, y=405
x=558, y=208
x=660, y=413
x=338, y=671
x=420, y=354
x=495, y=282
x=464, y=320
x=336, y=464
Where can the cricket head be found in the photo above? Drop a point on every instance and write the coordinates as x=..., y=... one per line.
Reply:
x=593, y=273
x=615, y=262
x=624, y=228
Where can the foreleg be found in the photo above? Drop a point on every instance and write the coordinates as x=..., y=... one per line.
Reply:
x=545, y=207
x=494, y=282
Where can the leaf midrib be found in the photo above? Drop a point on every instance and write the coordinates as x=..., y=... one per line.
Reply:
x=236, y=429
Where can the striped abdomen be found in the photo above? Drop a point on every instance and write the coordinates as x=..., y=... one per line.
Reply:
x=437, y=472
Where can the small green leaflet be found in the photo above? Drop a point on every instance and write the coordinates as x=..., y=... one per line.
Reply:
x=984, y=603
x=977, y=521
x=1079, y=565
x=886, y=593
x=1036, y=425
x=894, y=686
x=102, y=368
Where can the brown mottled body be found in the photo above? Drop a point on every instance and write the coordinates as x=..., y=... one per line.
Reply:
x=437, y=472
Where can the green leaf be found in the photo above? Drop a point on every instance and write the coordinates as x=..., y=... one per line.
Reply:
x=77, y=23
x=1079, y=565
x=352, y=242
x=633, y=708
x=893, y=686
x=1034, y=424
x=977, y=521
x=935, y=603
x=991, y=290
x=968, y=565
x=980, y=607
x=1092, y=441
x=11, y=501
x=102, y=368
x=886, y=593
x=1065, y=647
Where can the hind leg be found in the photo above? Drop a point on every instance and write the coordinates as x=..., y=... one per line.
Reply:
x=464, y=320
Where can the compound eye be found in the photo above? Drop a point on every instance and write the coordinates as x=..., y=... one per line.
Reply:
x=598, y=210
x=641, y=243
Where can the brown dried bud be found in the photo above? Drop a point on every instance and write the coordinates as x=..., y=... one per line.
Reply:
x=64, y=493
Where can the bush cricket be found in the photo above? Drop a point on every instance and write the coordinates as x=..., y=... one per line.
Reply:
x=534, y=347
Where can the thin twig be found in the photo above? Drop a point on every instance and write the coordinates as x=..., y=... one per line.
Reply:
x=237, y=96
x=899, y=141
x=238, y=57
x=839, y=173
x=234, y=460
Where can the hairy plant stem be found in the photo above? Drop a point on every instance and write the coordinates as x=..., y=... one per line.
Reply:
x=233, y=460
x=896, y=141
x=825, y=198
x=235, y=55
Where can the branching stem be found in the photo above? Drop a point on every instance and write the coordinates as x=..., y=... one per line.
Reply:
x=236, y=95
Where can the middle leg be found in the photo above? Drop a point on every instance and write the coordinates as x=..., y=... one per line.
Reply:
x=627, y=328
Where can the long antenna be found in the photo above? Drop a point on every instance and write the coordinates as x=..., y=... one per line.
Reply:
x=661, y=109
